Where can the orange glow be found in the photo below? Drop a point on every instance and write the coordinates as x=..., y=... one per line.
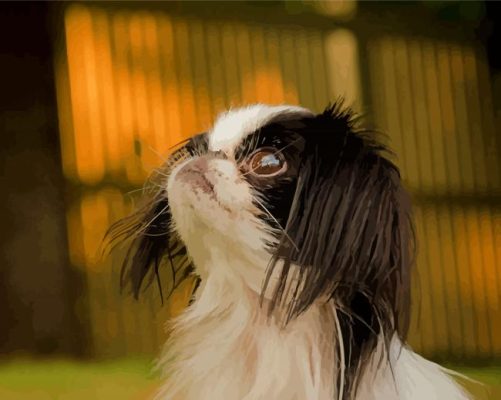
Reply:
x=159, y=133
x=104, y=77
x=170, y=91
x=87, y=132
x=95, y=219
x=466, y=289
x=123, y=96
x=229, y=55
x=478, y=280
x=134, y=95
x=343, y=64
x=426, y=95
x=188, y=117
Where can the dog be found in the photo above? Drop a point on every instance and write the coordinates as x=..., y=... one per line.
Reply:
x=299, y=233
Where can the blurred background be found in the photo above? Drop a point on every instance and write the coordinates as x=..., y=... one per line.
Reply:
x=93, y=95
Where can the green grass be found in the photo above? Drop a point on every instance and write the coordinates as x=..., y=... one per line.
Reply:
x=132, y=380
x=489, y=377
x=70, y=380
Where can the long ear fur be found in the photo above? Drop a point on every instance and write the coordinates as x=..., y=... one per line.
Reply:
x=151, y=243
x=351, y=220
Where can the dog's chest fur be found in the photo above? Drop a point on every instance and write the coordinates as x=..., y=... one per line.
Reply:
x=225, y=347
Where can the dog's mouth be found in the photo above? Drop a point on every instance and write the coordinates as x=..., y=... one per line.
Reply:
x=203, y=185
x=198, y=181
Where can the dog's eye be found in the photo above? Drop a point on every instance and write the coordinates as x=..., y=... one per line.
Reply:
x=267, y=162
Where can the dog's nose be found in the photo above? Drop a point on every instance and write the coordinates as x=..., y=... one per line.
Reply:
x=195, y=174
x=218, y=154
x=199, y=164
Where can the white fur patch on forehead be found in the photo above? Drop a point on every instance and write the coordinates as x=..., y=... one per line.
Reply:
x=233, y=126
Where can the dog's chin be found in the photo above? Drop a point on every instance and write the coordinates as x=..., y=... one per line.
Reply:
x=215, y=234
x=199, y=211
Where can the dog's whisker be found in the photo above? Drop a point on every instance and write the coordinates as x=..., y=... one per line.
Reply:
x=263, y=207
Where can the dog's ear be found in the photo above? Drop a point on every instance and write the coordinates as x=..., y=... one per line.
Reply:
x=148, y=234
x=150, y=244
x=350, y=219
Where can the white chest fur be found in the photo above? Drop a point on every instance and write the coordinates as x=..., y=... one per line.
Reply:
x=224, y=347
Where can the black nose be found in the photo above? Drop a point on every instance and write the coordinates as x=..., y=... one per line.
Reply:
x=218, y=154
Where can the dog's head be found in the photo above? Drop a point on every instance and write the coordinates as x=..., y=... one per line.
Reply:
x=307, y=204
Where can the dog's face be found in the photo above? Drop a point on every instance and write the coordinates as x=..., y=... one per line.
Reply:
x=233, y=186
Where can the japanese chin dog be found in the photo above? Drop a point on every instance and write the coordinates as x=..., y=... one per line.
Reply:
x=298, y=231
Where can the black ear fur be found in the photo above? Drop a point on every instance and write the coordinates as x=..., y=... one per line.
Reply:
x=151, y=241
x=151, y=244
x=350, y=219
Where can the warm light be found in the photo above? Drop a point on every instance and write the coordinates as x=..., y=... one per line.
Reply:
x=342, y=60
x=345, y=9
x=141, y=83
x=425, y=94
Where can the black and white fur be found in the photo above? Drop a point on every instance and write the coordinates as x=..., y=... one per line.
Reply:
x=303, y=273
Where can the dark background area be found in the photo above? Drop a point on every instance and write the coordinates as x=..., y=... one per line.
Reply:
x=35, y=290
